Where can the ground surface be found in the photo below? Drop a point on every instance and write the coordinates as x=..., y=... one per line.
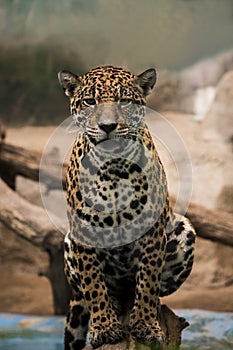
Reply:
x=210, y=285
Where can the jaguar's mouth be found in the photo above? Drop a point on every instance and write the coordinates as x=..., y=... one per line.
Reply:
x=96, y=133
x=98, y=142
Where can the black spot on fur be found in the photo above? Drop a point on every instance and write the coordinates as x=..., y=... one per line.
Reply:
x=149, y=250
x=95, y=309
x=145, y=260
x=134, y=204
x=80, y=265
x=128, y=216
x=87, y=296
x=72, y=262
x=84, y=320
x=191, y=238
x=190, y=263
x=184, y=275
x=171, y=257
x=76, y=311
x=159, y=262
x=143, y=200
x=74, y=286
x=123, y=175
x=178, y=270
x=68, y=339
x=94, y=294
x=171, y=246
x=77, y=103
x=66, y=247
x=189, y=252
x=109, y=221
x=135, y=168
x=87, y=281
x=80, y=249
x=78, y=344
x=179, y=228
x=102, y=305
x=88, y=267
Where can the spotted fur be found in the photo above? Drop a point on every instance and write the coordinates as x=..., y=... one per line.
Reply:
x=125, y=246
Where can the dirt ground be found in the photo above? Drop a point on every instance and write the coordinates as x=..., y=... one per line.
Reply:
x=209, y=287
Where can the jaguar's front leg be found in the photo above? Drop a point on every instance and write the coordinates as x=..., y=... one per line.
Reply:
x=105, y=326
x=144, y=323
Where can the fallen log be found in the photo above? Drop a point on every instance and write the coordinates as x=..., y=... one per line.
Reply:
x=15, y=160
x=53, y=245
x=33, y=224
x=28, y=221
x=214, y=225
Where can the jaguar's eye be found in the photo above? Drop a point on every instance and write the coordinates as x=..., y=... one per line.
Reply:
x=89, y=101
x=125, y=102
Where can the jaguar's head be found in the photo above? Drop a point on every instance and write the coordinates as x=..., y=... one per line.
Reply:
x=108, y=102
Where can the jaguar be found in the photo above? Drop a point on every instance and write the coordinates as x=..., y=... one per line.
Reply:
x=125, y=247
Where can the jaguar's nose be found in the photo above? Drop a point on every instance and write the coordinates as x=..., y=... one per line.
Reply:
x=108, y=127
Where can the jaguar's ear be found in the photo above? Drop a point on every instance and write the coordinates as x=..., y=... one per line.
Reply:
x=69, y=82
x=146, y=80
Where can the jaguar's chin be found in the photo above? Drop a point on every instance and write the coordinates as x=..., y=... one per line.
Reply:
x=101, y=141
x=108, y=144
x=97, y=140
x=117, y=146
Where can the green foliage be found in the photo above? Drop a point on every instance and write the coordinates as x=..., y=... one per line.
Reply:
x=29, y=89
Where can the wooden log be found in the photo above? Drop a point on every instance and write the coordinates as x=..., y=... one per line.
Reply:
x=15, y=160
x=214, y=225
x=33, y=224
x=53, y=245
x=27, y=220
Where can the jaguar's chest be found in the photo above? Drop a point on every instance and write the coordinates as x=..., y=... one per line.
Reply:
x=116, y=192
x=120, y=266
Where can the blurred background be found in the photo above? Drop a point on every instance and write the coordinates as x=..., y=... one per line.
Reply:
x=40, y=38
x=190, y=44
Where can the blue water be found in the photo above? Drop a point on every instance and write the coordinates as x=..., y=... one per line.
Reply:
x=207, y=331
x=21, y=332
